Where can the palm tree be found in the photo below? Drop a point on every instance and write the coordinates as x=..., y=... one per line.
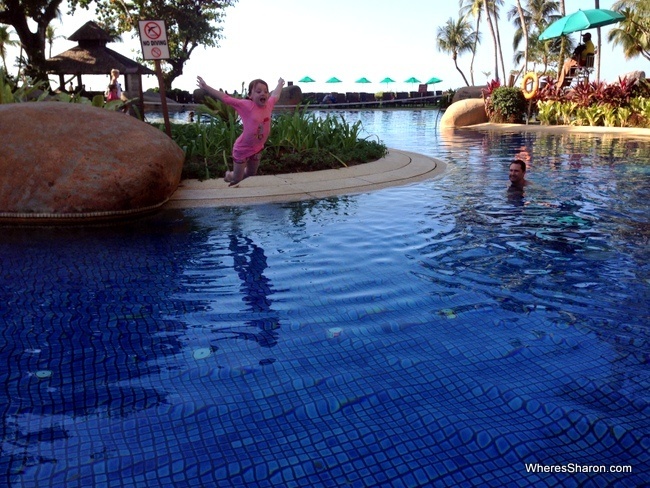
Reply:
x=530, y=22
x=493, y=9
x=50, y=37
x=5, y=42
x=456, y=37
x=524, y=30
x=490, y=23
x=563, y=45
x=633, y=33
x=475, y=9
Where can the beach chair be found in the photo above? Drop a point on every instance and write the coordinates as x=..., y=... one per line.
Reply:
x=401, y=98
x=368, y=99
x=352, y=98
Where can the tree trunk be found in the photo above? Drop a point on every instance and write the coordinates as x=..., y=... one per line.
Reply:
x=498, y=38
x=461, y=73
x=494, y=40
x=562, y=40
x=598, y=47
x=33, y=43
x=524, y=28
x=471, y=65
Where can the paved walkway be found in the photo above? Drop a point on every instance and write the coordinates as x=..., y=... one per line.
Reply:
x=397, y=168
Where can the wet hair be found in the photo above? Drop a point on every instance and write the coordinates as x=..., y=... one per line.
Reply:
x=586, y=35
x=252, y=84
x=521, y=164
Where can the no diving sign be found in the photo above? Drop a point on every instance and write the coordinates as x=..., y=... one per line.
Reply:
x=153, y=37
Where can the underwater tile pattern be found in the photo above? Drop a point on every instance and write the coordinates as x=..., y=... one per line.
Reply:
x=288, y=345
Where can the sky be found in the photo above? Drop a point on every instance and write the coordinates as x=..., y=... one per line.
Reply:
x=347, y=39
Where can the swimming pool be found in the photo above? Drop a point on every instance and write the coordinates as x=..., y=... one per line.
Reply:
x=445, y=333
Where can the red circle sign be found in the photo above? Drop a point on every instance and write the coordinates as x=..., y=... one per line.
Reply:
x=152, y=30
x=155, y=52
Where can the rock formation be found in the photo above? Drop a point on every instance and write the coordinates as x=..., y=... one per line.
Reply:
x=65, y=161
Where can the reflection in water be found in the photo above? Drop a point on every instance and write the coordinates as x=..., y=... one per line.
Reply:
x=88, y=307
x=250, y=264
x=516, y=196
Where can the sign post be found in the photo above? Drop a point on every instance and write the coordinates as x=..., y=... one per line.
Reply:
x=153, y=38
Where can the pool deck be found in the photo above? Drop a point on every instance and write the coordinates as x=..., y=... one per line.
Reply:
x=397, y=168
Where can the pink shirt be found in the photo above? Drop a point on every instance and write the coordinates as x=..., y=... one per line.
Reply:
x=257, y=125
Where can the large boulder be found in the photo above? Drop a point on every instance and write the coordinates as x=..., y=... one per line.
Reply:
x=465, y=92
x=291, y=95
x=464, y=112
x=65, y=161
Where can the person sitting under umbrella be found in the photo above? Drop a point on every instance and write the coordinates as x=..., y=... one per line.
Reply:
x=579, y=57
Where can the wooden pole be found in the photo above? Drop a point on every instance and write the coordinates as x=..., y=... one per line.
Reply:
x=163, y=97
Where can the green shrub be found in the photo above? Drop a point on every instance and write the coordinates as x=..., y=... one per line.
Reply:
x=506, y=105
x=299, y=142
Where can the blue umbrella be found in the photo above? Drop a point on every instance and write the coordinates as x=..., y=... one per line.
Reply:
x=433, y=81
x=581, y=20
x=387, y=80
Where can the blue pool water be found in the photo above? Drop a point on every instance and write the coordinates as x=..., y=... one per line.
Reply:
x=445, y=333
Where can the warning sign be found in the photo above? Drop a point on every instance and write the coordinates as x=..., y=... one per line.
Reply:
x=153, y=37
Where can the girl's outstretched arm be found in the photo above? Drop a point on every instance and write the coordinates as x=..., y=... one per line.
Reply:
x=278, y=89
x=218, y=94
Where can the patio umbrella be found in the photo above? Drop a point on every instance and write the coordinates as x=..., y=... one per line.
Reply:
x=433, y=81
x=306, y=79
x=363, y=80
x=387, y=80
x=333, y=79
x=412, y=79
x=581, y=20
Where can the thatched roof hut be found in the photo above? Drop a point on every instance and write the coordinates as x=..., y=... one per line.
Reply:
x=92, y=57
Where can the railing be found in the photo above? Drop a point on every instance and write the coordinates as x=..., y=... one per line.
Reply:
x=428, y=100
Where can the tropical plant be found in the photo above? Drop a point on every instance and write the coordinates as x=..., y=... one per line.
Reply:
x=506, y=105
x=50, y=37
x=490, y=8
x=492, y=14
x=633, y=33
x=490, y=87
x=299, y=142
x=10, y=93
x=218, y=109
x=530, y=21
x=456, y=38
x=37, y=92
x=548, y=112
x=625, y=103
x=5, y=42
x=475, y=9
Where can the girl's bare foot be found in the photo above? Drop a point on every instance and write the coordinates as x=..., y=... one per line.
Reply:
x=230, y=178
